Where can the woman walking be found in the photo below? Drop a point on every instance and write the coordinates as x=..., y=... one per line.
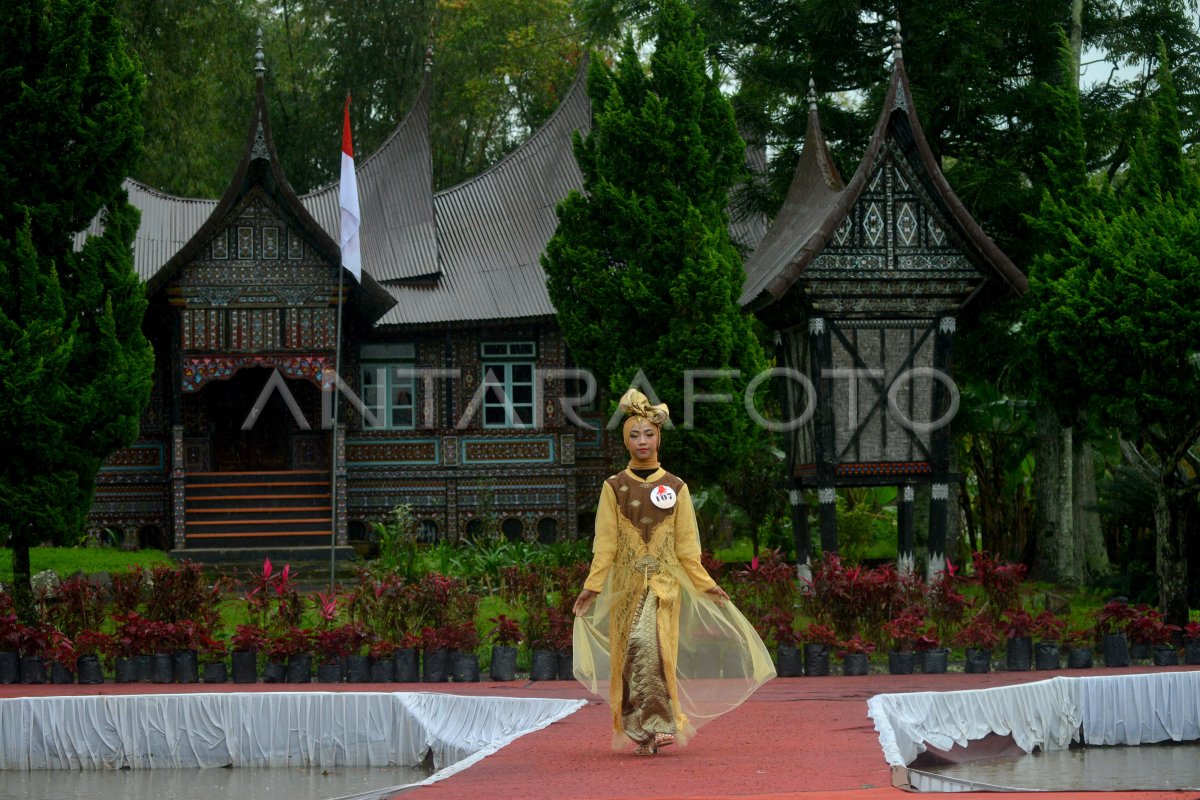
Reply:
x=654, y=633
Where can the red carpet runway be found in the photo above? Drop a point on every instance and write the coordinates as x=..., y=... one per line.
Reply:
x=796, y=739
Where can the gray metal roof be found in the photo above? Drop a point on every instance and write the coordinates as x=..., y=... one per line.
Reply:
x=493, y=229
x=168, y=222
x=397, y=234
x=814, y=192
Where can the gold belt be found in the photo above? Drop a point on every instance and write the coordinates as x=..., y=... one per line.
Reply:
x=646, y=565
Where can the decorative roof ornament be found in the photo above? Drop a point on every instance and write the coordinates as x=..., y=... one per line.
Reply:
x=897, y=39
x=812, y=94
x=260, y=61
x=429, y=56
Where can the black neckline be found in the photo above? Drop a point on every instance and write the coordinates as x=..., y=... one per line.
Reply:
x=644, y=473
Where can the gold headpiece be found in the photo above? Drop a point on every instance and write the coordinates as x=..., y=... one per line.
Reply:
x=635, y=404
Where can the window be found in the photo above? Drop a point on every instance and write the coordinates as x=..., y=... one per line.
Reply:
x=388, y=386
x=508, y=386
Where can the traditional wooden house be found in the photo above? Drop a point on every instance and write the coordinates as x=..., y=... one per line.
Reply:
x=451, y=359
x=863, y=282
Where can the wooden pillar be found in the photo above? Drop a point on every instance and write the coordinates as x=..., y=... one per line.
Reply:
x=801, y=535
x=827, y=518
x=178, y=489
x=824, y=438
x=339, y=502
x=904, y=528
x=944, y=404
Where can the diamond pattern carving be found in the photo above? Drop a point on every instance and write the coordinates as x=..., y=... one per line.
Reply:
x=906, y=225
x=873, y=224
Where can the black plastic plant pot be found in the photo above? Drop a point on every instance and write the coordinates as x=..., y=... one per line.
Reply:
x=1191, y=651
x=383, y=670
x=901, y=662
x=331, y=671
x=90, y=671
x=10, y=667
x=856, y=664
x=1116, y=650
x=299, y=668
x=436, y=666
x=1165, y=656
x=358, y=669
x=33, y=669
x=275, y=672
x=566, y=666
x=504, y=663
x=977, y=661
x=245, y=666
x=185, y=666
x=936, y=661
x=1140, y=651
x=216, y=672
x=544, y=666
x=789, y=661
x=126, y=670
x=161, y=668
x=408, y=665
x=1018, y=654
x=1046, y=655
x=464, y=667
x=145, y=668
x=60, y=673
x=1079, y=658
x=816, y=660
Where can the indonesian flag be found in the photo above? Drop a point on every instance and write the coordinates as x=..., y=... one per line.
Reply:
x=348, y=201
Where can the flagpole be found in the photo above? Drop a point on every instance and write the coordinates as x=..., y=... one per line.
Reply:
x=337, y=378
x=351, y=259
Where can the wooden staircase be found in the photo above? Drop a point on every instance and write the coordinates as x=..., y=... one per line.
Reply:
x=257, y=509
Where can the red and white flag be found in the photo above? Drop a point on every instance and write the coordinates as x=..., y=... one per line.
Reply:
x=348, y=201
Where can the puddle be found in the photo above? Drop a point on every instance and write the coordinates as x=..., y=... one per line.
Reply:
x=244, y=783
x=1168, y=766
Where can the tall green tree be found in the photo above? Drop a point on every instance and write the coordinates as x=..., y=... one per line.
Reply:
x=75, y=367
x=641, y=268
x=1115, y=311
x=197, y=56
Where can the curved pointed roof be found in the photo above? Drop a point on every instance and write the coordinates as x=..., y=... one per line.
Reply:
x=258, y=170
x=398, y=234
x=817, y=203
x=493, y=228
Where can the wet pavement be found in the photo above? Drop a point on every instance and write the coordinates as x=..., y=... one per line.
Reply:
x=1093, y=769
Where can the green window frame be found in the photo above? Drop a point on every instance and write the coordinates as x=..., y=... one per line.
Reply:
x=509, y=385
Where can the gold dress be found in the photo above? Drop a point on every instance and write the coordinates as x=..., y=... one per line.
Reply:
x=661, y=651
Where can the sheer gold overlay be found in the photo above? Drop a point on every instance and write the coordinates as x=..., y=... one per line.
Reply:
x=709, y=657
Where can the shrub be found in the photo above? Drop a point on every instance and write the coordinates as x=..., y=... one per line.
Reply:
x=980, y=633
x=506, y=631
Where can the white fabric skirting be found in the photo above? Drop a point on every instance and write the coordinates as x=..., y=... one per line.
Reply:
x=1050, y=714
x=267, y=729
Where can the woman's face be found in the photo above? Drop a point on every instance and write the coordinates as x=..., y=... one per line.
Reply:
x=641, y=440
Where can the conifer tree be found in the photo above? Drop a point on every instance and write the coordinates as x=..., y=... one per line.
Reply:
x=641, y=269
x=1115, y=313
x=74, y=364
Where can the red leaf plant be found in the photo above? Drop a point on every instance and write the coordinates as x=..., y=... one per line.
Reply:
x=506, y=631
x=980, y=633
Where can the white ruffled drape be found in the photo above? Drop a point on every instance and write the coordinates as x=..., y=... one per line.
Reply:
x=1110, y=709
x=266, y=729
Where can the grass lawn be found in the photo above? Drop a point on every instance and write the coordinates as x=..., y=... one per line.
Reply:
x=66, y=561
